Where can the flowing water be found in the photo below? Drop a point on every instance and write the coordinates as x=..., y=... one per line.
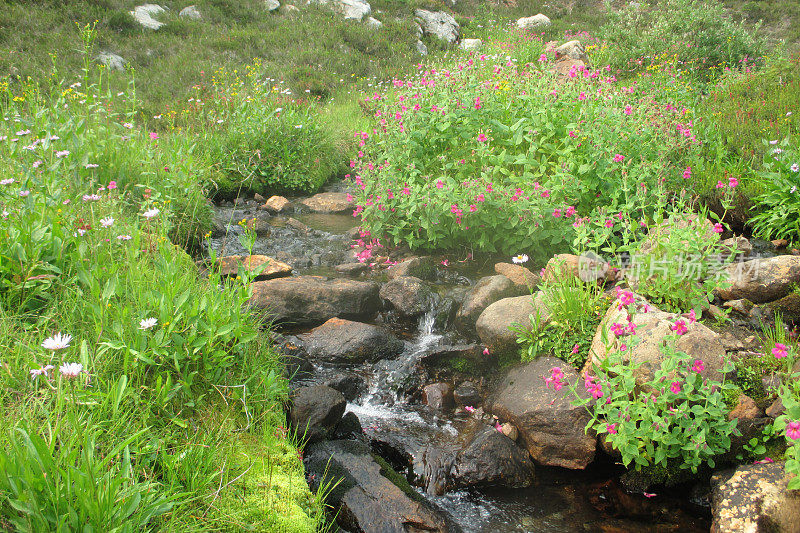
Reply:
x=412, y=436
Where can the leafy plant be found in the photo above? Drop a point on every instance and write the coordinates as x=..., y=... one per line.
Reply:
x=778, y=215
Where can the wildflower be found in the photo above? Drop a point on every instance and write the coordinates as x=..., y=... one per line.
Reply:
x=793, y=430
x=91, y=197
x=619, y=158
x=445, y=262
x=439, y=184
x=687, y=173
x=780, y=350
x=575, y=349
x=675, y=387
x=625, y=297
x=486, y=351
x=519, y=259
x=62, y=153
x=609, y=224
x=24, y=194
x=718, y=228
x=692, y=316
x=41, y=371
x=555, y=378
x=91, y=165
x=150, y=213
x=112, y=185
x=123, y=237
x=698, y=366
x=557, y=213
x=618, y=329
x=795, y=167
x=147, y=323
x=628, y=110
x=469, y=409
x=153, y=136
x=127, y=125
x=107, y=222
x=649, y=494
x=732, y=182
x=7, y=181
x=679, y=327
x=498, y=427
x=482, y=138
x=71, y=370
x=57, y=342
x=764, y=461
x=611, y=428
x=582, y=96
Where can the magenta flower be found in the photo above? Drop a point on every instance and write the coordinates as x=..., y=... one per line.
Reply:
x=687, y=173
x=679, y=327
x=112, y=185
x=439, y=184
x=153, y=136
x=780, y=350
x=486, y=351
x=675, y=387
x=628, y=110
x=732, y=182
x=611, y=428
x=698, y=366
x=469, y=409
x=482, y=138
x=619, y=158
x=793, y=430
x=575, y=349
x=718, y=228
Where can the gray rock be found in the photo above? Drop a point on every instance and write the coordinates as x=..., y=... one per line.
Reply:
x=421, y=48
x=190, y=12
x=316, y=411
x=761, y=280
x=351, y=269
x=410, y=296
x=145, y=13
x=494, y=322
x=439, y=24
x=487, y=291
x=348, y=342
x=272, y=5
x=492, y=459
x=111, y=60
x=350, y=9
x=373, y=23
x=439, y=396
x=470, y=44
x=467, y=394
x=419, y=267
x=536, y=21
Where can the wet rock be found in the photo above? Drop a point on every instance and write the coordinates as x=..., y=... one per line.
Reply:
x=761, y=280
x=487, y=291
x=145, y=13
x=345, y=341
x=509, y=430
x=190, y=12
x=550, y=427
x=463, y=358
x=586, y=268
x=308, y=300
x=493, y=323
x=439, y=24
x=467, y=393
x=788, y=307
x=111, y=60
x=652, y=328
x=492, y=459
x=267, y=267
x=328, y=202
x=537, y=21
x=410, y=296
x=739, y=244
x=572, y=50
x=316, y=410
x=743, y=307
x=754, y=499
x=776, y=409
x=276, y=204
x=348, y=427
x=350, y=385
x=370, y=496
x=519, y=275
x=351, y=269
x=296, y=224
x=297, y=368
x=418, y=267
x=439, y=396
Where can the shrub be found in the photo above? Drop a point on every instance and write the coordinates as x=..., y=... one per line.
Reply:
x=778, y=214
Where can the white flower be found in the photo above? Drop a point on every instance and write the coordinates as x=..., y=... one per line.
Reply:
x=793, y=189
x=107, y=222
x=41, y=371
x=519, y=259
x=92, y=165
x=5, y=214
x=71, y=370
x=147, y=323
x=150, y=213
x=123, y=237
x=57, y=342
x=7, y=181
x=795, y=168
x=774, y=142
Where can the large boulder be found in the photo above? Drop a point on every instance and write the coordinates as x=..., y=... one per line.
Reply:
x=519, y=275
x=487, y=291
x=761, y=280
x=572, y=50
x=439, y=24
x=494, y=322
x=145, y=15
x=418, y=267
x=652, y=329
x=549, y=425
x=316, y=411
x=276, y=204
x=584, y=267
x=328, y=202
x=309, y=300
x=538, y=21
x=369, y=496
x=754, y=499
x=410, y=296
x=266, y=267
x=491, y=459
x=344, y=341
x=350, y=9
x=111, y=60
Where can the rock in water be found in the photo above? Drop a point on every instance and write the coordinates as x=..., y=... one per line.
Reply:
x=487, y=291
x=328, y=202
x=492, y=459
x=316, y=411
x=344, y=341
x=410, y=296
x=494, y=322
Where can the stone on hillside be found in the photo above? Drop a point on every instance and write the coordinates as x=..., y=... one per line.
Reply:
x=788, y=307
x=566, y=66
x=534, y=22
x=439, y=24
x=111, y=60
x=373, y=23
x=272, y=5
x=370, y=496
x=754, y=499
x=345, y=341
x=572, y=50
x=438, y=396
x=306, y=300
x=419, y=267
x=190, y=12
x=269, y=268
x=487, y=291
x=493, y=323
x=421, y=48
x=410, y=296
x=145, y=13
x=350, y=9
x=491, y=459
x=652, y=328
x=761, y=280
x=519, y=275
x=276, y=204
x=328, y=202
x=584, y=267
x=470, y=44
x=549, y=425
x=316, y=410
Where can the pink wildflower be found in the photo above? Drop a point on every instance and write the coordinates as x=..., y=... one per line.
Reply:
x=780, y=350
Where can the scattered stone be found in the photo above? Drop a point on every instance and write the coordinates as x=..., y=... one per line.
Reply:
x=439, y=396
x=410, y=296
x=467, y=393
x=492, y=459
x=467, y=358
x=572, y=50
x=746, y=409
x=351, y=269
x=328, y=202
x=487, y=291
x=296, y=224
x=190, y=12
x=519, y=275
x=509, y=430
x=716, y=313
x=743, y=307
x=308, y=300
x=583, y=267
x=316, y=410
x=421, y=48
x=762, y=280
x=470, y=44
x=373, y=23
x=438, y=24
x=269, y=268
x=350, y=9
x=565, y=66
x=730, y=342
x=272, y=5
x=345, y=341
x=776, y=409
x=740, y=244
x=494, y=322
x=258, y=198
x=754, y=499
x=276, y=204
x=788, y=307
x=418, y=267
x=370, y=496
x=111, y=60
x=290, y=9
x=350, y=385
x=549, y=425
x=536, y=21
x=780, y=243
x=144, y=15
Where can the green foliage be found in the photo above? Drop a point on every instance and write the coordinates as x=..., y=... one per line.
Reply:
x=778, y=214
x=787, y=425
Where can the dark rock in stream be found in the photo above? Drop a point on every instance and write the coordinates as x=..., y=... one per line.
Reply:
x=487, y=291
x=438, y=396
x=410, y=296
x=492, y=459
x=349, y=427
x=419, y=267
x=309, y=300
x=370, y=496
x=348, y=342
x=467, y=394
x=351, y=269
x=316, y=411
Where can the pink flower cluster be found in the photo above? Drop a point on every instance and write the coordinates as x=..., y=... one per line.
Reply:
x=556, y=375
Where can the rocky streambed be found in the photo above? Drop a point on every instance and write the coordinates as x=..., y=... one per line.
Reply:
x=395, y=383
